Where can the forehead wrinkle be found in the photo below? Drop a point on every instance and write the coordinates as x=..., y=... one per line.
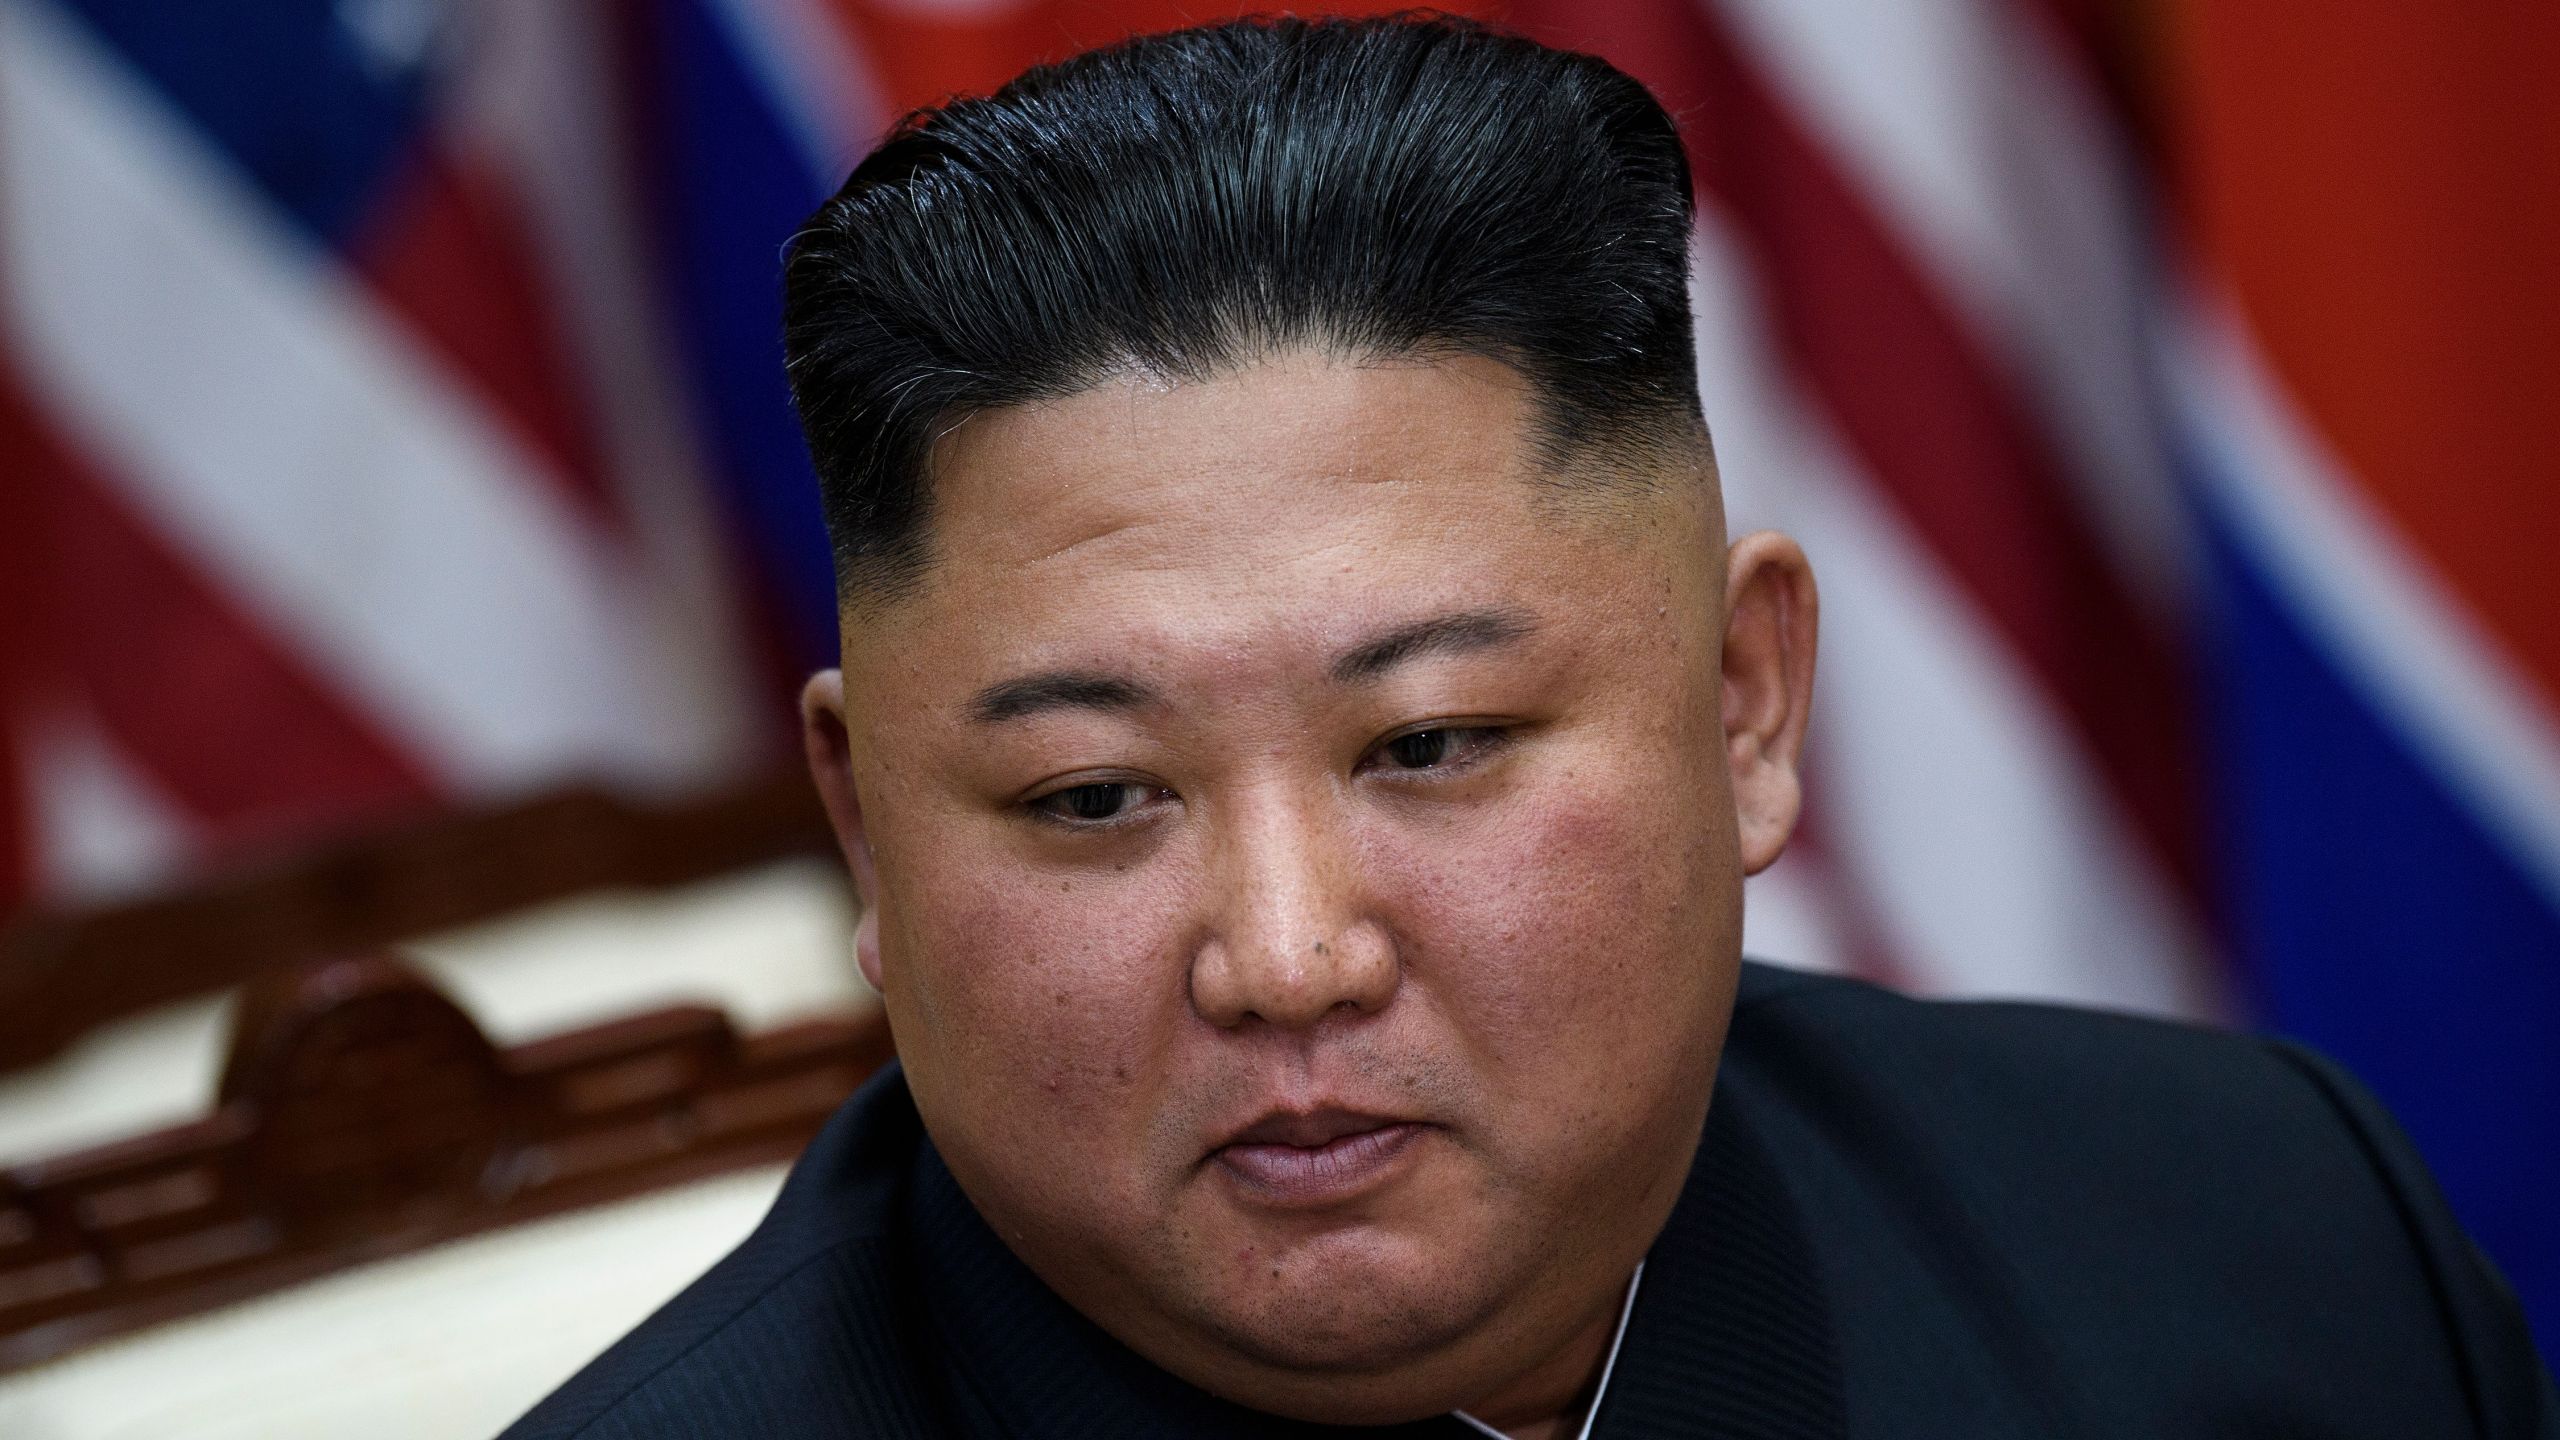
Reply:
x=1109, y=527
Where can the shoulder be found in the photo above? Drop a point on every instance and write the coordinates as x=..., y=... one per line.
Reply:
x=2040, y=1066
x=2133, y=1119
x=2131, y=1196
x=800, y=1326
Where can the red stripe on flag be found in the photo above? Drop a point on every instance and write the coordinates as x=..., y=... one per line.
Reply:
x=2397, y=260
x=17, y=832
x=227, y=723
x=21, y=663
x=449, y=255
x=1926, y=412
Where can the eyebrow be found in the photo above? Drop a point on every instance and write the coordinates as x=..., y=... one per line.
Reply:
x=1056, y=690
x=1457, y=633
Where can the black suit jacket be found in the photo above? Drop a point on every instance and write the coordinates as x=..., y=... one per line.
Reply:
x=1906, y=1220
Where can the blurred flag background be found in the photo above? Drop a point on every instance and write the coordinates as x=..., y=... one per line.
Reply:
x=391, y=417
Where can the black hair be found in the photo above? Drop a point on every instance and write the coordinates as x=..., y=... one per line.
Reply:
x=1183, y=203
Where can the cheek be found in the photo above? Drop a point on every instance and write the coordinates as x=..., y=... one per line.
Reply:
x=1034, y=1008
x=1578, y=930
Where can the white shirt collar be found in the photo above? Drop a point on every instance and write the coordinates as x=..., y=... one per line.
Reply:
x=1590, y=1416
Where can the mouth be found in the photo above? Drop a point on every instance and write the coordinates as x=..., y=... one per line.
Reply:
x=1319, y=1157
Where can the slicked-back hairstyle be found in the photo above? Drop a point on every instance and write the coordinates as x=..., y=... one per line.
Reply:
x=1182, y=204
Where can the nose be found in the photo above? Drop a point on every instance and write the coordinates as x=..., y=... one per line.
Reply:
x=1292, y=941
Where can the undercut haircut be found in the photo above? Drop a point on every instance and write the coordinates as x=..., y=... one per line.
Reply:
x=1183, y=204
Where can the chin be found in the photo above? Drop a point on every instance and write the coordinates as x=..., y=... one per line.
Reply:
x=1389, y=1382
x=1322, y=1340
x=1339, y=1319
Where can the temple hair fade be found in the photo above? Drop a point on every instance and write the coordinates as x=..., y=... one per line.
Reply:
x=1182, y=204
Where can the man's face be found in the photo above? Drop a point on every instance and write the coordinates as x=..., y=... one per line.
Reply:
x=1304, y=870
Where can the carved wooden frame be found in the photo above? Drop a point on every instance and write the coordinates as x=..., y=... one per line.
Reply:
x=362, y=1114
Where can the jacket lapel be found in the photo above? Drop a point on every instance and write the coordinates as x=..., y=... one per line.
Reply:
x=1730, y=1337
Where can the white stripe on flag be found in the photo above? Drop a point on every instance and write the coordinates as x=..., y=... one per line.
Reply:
x=2004, y=179
x=541, y=112
x=1949, y=792
x=1791, y=915
x=252, y=400
x=100, y=831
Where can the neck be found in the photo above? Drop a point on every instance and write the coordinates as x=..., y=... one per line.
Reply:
x=1543, y=1401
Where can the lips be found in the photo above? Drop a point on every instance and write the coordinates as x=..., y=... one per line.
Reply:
x=1318, y=1157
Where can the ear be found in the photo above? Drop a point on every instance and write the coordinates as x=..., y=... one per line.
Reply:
x=1770, y=615
x=830, y=748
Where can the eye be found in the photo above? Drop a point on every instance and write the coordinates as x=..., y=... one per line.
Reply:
x=1446, y=747
x=1098, y=803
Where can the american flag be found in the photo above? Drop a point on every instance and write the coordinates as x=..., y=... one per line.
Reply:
x=391, y=415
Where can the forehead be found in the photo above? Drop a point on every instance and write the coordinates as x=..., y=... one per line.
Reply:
x=1140, y=454
x=1306, y=496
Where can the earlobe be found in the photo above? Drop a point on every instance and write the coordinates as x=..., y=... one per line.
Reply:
x=866, y=945
x=830, y=751
x=1771, y=613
